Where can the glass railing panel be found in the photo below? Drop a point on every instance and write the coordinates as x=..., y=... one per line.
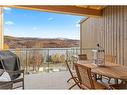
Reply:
x=35, y=60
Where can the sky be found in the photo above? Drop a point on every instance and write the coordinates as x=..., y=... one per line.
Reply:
x=29, y=23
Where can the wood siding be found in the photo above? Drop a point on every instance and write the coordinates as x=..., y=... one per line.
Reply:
x=110, y=31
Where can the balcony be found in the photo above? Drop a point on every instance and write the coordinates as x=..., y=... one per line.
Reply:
x=45, y=68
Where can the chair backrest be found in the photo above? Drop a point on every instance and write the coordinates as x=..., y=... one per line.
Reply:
x=110, y=58
x=82, y=57
x=84, y=76
x=74, y=59
x=69, y=68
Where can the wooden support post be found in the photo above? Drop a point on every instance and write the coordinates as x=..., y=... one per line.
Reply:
x=1, y=29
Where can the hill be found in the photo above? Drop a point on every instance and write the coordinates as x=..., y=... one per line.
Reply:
x=25, y=42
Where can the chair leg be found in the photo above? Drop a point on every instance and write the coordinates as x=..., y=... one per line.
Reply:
x=97, y=77
x=116, y=81
x=69, y=79
x=100, y=78
x=76, y=82
x=72, y=86
x=109, y=80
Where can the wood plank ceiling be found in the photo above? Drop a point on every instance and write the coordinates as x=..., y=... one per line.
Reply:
x=81, y=10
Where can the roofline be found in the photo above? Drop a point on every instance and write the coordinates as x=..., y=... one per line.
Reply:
x=82, y=20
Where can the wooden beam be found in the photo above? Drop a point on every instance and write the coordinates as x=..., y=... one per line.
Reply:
x=68, y=9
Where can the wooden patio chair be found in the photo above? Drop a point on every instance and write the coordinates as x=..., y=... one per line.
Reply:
x=109, y=59
x=82, y=57
x=73, y=75
x=85, y=78
x=122, y=85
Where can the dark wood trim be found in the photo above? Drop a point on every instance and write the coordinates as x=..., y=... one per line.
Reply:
x=69, y=9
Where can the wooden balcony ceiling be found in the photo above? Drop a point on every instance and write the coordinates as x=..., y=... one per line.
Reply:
x=82, y=10
x=92, y=7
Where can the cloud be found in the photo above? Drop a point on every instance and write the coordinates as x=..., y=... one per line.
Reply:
x=50, y=18
x=9, y=22
x=7, y=8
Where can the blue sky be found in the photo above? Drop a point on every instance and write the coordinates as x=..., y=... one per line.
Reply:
x=28, y=23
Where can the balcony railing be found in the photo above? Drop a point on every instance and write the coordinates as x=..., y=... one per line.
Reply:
x=34, y=60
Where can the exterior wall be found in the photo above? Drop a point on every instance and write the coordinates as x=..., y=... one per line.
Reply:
x=110, y=31
x=1, y=29
x=88, y=36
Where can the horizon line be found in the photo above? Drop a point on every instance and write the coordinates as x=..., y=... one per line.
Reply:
x=42, y=38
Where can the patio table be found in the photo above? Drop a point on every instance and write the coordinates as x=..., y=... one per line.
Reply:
x=115, y=71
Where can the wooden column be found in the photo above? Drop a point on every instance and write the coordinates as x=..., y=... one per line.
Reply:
x=1, y=29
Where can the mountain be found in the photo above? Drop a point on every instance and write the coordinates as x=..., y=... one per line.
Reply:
x=26, y=42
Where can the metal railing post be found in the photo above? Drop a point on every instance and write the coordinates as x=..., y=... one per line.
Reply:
x=48, y=60
x=26, y=63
